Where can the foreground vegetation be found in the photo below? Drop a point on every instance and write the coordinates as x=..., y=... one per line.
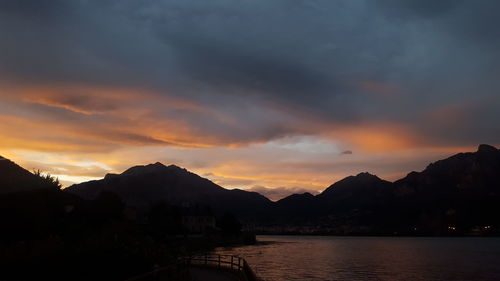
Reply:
x=49, y=234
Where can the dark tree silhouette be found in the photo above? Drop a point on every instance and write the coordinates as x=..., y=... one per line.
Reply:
x=48, y=180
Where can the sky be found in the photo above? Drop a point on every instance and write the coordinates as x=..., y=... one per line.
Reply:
x=275, y=96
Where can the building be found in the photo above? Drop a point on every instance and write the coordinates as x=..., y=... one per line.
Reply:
x=198, y=223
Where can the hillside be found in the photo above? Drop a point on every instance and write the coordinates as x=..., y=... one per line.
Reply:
x=143, y=186
x=14, y=178
x=461, y=192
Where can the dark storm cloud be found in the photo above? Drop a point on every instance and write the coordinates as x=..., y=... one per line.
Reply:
x=455, y=55
x=418, y=8
x=253, y=72
x=75, y=41
x=331, y=61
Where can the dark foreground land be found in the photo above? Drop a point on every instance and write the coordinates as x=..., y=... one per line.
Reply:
x=58, y=236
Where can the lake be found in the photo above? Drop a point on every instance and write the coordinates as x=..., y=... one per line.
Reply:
x=372, y=258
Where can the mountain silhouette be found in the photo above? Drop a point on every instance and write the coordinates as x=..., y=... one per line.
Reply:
x=361, y=196
x=295, y=208
x=14, y=178
x=363, y=190
x=462, y=191
x=144, y=186
x=459, y=194
x=479, y=171
x=31, y=204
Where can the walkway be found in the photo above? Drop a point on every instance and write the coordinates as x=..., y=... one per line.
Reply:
x=203, y=268
x=208, y=274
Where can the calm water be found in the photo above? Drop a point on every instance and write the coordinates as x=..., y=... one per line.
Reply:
x=372, y=258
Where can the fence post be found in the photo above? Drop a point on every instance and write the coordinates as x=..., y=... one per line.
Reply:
x=239, y=264
x=232, y=262
x=206, y=259
x=219, y=262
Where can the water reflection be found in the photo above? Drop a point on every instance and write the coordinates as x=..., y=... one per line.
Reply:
x=373, y=258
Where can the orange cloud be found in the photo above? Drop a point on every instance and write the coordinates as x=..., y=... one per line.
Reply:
x=101, y=100
x=379, y=141
x=114, y=128
x=44, y=135
x=100, y=117
x=377, y=137
x=452, y=114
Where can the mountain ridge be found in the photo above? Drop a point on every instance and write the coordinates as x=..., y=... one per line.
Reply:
x=14, y=178
x=462, y=190
x=172, y=184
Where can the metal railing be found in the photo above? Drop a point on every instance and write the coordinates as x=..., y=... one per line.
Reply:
x=236, y=264
x=230, y=262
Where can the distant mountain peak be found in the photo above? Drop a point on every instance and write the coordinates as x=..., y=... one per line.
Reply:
x=157, y=165
x=148, y=169
x=361, y=177
x=297, y=196
x=366, y=175
x=175, y=167
x=140, y=170
x=361, y=180
x=486, y=148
